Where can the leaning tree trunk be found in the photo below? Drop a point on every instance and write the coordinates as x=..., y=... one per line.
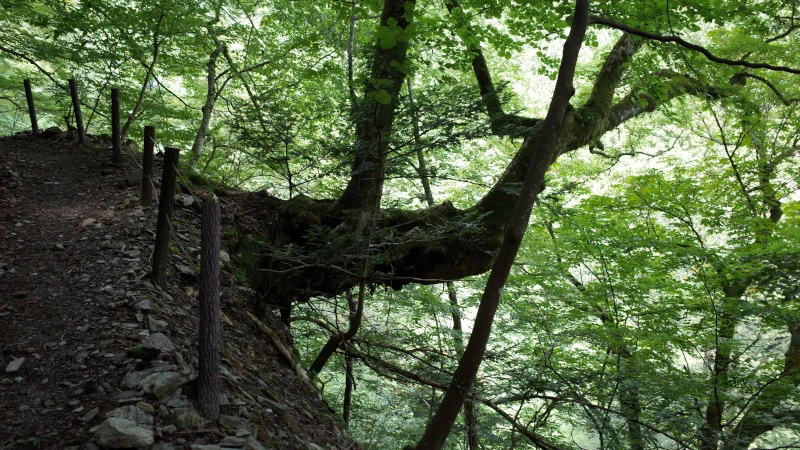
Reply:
x=711, y=429
x=145, y=84
x=339, y=339
x=760, y=416
x=458, y=338
x=545, y=145
x=208, y=107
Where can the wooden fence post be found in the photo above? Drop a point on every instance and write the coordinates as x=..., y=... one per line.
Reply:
x=76, y=106
x=208, y=368
x=116, y=144
x=147, y=165
x=31, y=108
x=166, y=201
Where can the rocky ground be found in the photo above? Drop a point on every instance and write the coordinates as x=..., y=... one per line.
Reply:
x=93, y=355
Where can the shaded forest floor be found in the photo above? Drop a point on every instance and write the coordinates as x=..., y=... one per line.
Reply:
x=75, y=302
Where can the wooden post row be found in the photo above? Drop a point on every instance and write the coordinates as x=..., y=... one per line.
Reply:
x=31, y=108
x=147, y=165
x=208, y=368
x=166, y=200
x=116, y=144
x=76, y=106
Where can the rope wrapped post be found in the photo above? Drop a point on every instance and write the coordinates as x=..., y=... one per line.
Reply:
x=116, y=143
x=208, y=370
x=31, y=107
x=165, y=204
x=147, y=165
x=76, y=106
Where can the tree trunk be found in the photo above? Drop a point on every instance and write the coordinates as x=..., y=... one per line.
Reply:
x=726, y=326
x=376, y=113
x=146, y=83
x=165, y=206
x=349, y=385
x=208, y=355
x=337, y=340
x=76, y=107
x=31, y=107
x=545, y=145
x=116, y=139
x=458, y=338
x=208, y=107
x=147, y=165
x=760, y=416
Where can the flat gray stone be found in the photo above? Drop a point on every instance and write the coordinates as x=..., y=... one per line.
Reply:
x=155, y=325
x=142, y=305
x=234, y=423
x=14, y=365
x=159, y=341
x=233, y=442
x=132, y=413
x=90, y=415
x=273, y=405
x=132, y=380
x=163, y=446
x=162, y=384
x=253, y=444
x=122, y=433
x=187, y=419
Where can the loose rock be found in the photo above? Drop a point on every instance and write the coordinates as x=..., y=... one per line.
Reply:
x=132, y=413
x=122, y=433
x=159, y=341
x=162, y=384
x=90, y=415
x=187, y=419
x=14, y=365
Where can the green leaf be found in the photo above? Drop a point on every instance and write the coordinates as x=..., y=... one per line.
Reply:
x=388, y=42
x=383, y=97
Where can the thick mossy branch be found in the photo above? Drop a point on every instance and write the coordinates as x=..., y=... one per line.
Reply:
x=312, y=253
x=312, y=242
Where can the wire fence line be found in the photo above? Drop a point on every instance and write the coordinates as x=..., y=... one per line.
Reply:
x=136, y=162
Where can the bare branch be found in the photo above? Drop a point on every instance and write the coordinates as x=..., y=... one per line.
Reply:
x=783, y=99
x=34, y=63
x=704, y=51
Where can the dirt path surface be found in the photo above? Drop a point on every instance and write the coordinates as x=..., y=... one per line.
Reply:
x=54, y=314
x=75, y=303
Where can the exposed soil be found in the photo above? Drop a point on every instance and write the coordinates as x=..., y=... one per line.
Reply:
x=75, y=296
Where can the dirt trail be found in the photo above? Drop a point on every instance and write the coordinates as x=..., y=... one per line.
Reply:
x=55, y=216
x=74, y=298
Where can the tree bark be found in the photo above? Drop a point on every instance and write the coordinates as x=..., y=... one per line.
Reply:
x=349, y=385
x=458, y=338
x=208, y=366
x=147, y=165
x=76, y=107
x=165, y=206
x=31, y=107
x=337, y=340
x=760, y=416
x=146, y=83
x=208, y=107
x=116, y=139
x=545, y=150
x=376, y=112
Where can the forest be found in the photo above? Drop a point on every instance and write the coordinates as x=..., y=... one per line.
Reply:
x=489, y=224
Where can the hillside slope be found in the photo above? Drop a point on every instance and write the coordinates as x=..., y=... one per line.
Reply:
x=75, y=300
